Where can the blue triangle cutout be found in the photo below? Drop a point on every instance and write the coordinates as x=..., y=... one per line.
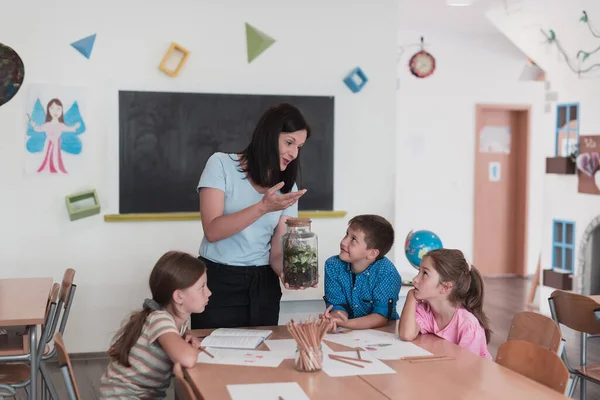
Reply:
x=85, y=45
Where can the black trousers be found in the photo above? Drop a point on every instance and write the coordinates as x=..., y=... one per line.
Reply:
x=241, y=296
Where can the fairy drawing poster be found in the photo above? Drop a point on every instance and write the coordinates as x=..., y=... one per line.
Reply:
x=55, y=133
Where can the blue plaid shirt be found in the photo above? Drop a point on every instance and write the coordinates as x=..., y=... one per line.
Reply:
x=375, y=290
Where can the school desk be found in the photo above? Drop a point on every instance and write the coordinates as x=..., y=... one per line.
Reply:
x=23, y=303
x=468, y=376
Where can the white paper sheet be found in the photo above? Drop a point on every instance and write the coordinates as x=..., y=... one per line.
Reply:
x=287, y=347
x=250, y=358
x=396, y=350
x=382, y=345
x=267, y=391
x=360, y=338
x=338, y=368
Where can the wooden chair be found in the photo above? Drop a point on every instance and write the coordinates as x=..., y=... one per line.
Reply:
x=580, y=313
x=538, y=329
x=182, y=387
x=66, y=369
x=535, y=362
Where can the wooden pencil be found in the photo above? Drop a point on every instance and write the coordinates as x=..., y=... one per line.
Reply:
x=351, y=359
x=344, y=361
x=432, y=359
x=206, y=351
x=433, y=356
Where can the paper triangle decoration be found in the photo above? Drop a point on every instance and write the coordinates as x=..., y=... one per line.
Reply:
x=256, y=42
x=85, y=45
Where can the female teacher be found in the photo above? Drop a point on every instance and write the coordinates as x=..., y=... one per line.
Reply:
x=245, y=199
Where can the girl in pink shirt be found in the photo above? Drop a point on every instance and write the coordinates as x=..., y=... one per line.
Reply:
x=447, y=301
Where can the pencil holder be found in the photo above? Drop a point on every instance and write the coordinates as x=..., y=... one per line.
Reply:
x=308, y=336
x=309, y=359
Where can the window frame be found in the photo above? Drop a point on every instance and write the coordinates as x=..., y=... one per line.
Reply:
x=563, y=244
x=567, y=130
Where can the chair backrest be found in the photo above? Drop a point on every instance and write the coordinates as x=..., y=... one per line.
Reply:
x=52, y=299
x=64, y=363
x=576, y=311
x=536, y=328
x=67, y=293
x=535, y=362
x=184, y=389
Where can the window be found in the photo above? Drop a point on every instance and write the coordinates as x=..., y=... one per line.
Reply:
x=563, y=245
x=567, y=129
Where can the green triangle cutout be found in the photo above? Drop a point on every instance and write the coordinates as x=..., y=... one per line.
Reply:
x=256, y=42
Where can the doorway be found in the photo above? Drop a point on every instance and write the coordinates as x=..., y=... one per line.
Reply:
x=500, y=213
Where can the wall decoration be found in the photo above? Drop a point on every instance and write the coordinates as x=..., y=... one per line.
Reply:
x=495, y=139
x=356, y=80
x=83, y=204
x=422, y=64
x=256, y=42
x=588, y=164
x=174, y=59
x=582, y=56
x=494, y=172
x=54, y=126
x=12, y=73
x=85, y=45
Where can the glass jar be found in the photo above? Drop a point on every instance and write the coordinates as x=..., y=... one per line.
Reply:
x=300, y=254
x=308, y=359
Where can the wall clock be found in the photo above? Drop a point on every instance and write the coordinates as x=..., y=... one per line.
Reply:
x=422, y=64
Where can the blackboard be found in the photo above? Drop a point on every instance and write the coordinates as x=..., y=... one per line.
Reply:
x=166, y=139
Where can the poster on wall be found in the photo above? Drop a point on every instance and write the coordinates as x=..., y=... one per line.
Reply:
x=495, y=139
x=56, y=130
x=588, y=164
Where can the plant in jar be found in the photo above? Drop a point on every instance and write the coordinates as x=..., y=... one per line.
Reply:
x=300, y=261
x=299, y=264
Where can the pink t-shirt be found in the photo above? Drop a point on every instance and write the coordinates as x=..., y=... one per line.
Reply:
x=464, y=329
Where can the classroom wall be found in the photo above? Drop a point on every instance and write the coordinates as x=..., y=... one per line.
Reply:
x=317, y=44
x=436, y=134
x=561, y=199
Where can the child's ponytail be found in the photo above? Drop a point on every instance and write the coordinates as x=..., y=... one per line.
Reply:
x=473, y=301
x=127, y=336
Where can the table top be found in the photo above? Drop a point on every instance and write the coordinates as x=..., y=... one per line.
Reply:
x=210, y=380
x=468, y=376
x=23, y=300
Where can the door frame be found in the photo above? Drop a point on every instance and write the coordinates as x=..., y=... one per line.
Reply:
x=522, y=179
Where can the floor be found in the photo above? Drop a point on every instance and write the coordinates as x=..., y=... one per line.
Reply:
x=504, y=297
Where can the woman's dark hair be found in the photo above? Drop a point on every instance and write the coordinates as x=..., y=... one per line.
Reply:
x=260, y=159
x=173, y=271
x=468, y=286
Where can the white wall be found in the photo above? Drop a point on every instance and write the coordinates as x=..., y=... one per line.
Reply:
x=436, y=135
x=317, y=44
x=561, y=199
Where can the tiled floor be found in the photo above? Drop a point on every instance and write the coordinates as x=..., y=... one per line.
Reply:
x=504, y=298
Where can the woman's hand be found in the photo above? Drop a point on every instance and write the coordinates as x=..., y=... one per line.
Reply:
x=272, y=201
x=287, y=286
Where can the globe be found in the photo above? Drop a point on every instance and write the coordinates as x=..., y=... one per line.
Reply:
x=12, y=72
x=419, y=243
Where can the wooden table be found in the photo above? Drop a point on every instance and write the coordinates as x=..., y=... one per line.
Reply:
x=467, y=377
x=210, y=381
x=23, y=303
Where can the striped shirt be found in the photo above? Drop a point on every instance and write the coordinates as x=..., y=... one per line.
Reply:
x=151, y=370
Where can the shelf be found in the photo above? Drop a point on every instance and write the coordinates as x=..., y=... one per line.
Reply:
x=193, y=216
x=560, y=165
